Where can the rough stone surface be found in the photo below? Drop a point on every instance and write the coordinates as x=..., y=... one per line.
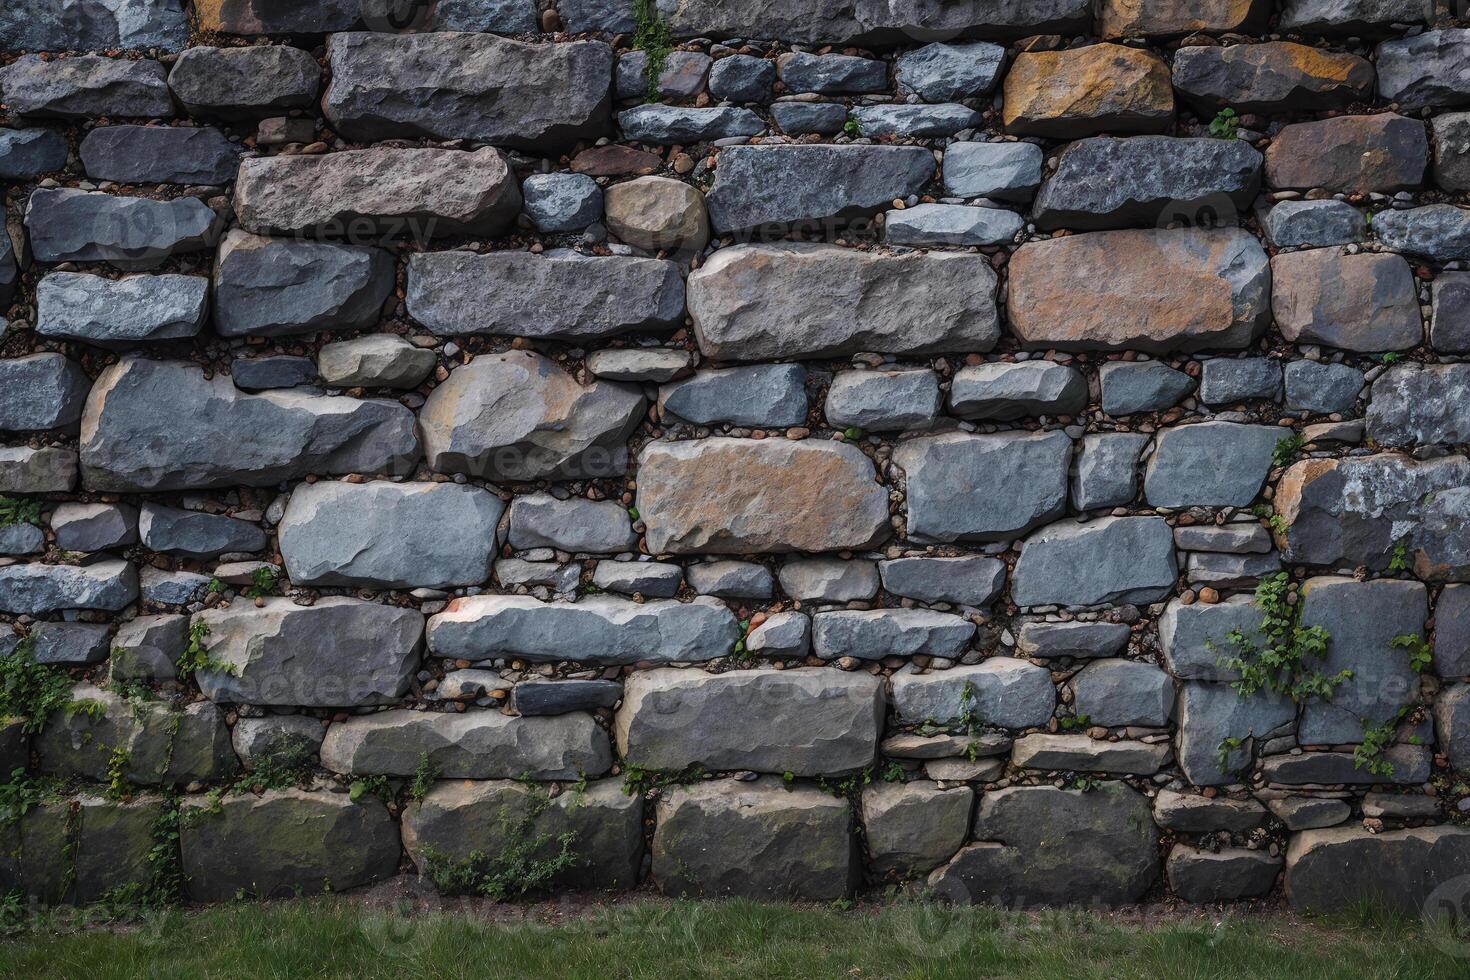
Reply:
x=1356, y=302
x=1006, y=692
x=1099, y=88
x=160, y=154
x=1195, y=639
x=829, y=579
x=911, y=828
x=1273, y=77
x=1383, y=153
x=130, y=233
x=772, y=394
x=1414, y=403
x=1236, y=379
x=1428, y=70
x=941, y=72
x=984, y=487
x=1003, y=171
x=1329, y=870
x=85, y=86
x=1315, y=223
x=40, y=392
x=245, y=83
x=1082, y=641
x=877, y=633
x=1210, y=713
x=1211, y=464
x=135, y=309
x=562, y=202
x=541, y=521
x=385, y=361
x=664, y=125
x=1123, y=692
x=35, y=590
x=1129, y=387
x=1114, y=559
x=1226, y=875
x=195, y=534
x=1436, y=231
x=951, y=224
x=27, y=153
x=1006, y=392
x=272, y=287
x=1315, y=387
x=93, y=25
x=883, y=400
x=965, y=581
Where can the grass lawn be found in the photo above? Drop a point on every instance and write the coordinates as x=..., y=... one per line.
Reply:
x=642, y=938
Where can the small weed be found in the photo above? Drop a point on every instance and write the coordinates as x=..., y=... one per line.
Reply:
x=1084, y=782
x=284, y=762
x=1072, y=722
x=638, y=780
x=369, y=786
x=1224, y=750
x=655, y=39
x=524, y=860
x=118, y=787
x=1390, y=359
x=1421, y=654
x=1369, y=754
x=850, y=127
x=262, y=583
x=423, y=778
x=1398, y=559
x=196, y=657
x=24, y=791
x=893, y=772
x=14, y=510
x=1288, y=448
x=1225, y=125
x=1281, y=664
x=31, y=690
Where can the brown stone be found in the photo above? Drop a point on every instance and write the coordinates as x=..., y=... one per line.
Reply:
x=658, y=213
x=1140, y=289
x=1271, y=77
x=1085, y=91
x=741, y=496
x=613, y=160
x=1172, y=18
x=1363, y=302
x=1384, y=153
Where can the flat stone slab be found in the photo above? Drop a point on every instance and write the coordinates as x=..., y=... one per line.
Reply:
x=1336, y=868
x=85, y=87
x=1277, y=76
x=130, y=233
x=1210, y=713
x=115, y=312
x=1111, y=560
x=243, y=83
x=539, y=520
x=160, y=154
x=966, y=581
x=1211, y=464
x=877, y=633
x=40, y=392
x=1006, y=692
x=964, y=487
x=913, y=827
x=35, y=589
x=94, y=25
x=1078, y=753
x=1380, y=153
x=761, y=394
x=1080, y=641
x=272, y=287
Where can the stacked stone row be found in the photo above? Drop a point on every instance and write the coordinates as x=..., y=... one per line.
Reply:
x=871, y=423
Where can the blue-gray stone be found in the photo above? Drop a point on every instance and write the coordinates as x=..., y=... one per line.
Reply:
x=799, y=118
x=832, y=74
x=654, y=579
x=1449, y=332
x=474, y=16
x=922, y=121
x=1210, y=713
x=1312, y=386
x=1106, y=561
x=28, y=153
x=562, y=202
x=93, y=25
x=682, y=77
x=246, y=82
x=1210, y=464
x=877, y=633
x=1315, y=223
x=1107, y=470
x=160, y=155
x=131, y=233
x=70, y=644
x=1236, y=379
x=274, y=371
x=273, y=287
x=21, y=539
x=134, y=309
x=942, y=72
x=94, y=527
x=666, y=124
x=742, y=78
x=195, y=534
x=1141, y=386
x=951, y=224
x=1436, y=231
x=85, y=87
x=1195, y=639
x=1003, y=171
x=531, y=698
x=1005, y=392
x=762, y=394
x=1429, y=70
x=35, y=590
x=964, y=487
x=40, y=392
x=731, y=579
x=883, y=400
x=973, y=581
x=539, y=520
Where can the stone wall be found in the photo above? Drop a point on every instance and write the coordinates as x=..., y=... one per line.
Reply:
x=1011, y=448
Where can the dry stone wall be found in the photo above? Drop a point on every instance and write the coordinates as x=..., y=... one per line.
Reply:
x=1014, y=449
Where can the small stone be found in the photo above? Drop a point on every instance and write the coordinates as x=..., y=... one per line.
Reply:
x=742, y=78
x=539, y=520
x=951, y=224
x=1312, y=386
x=1000, y=171
x=562, y=202
x=160, y=154
x=1111, y=560
x=1315, y=224
x=1006, y=392
x=276, y=286
x=1129, y=387
x=1210, y=464
x=883, y=401
x=196, y=535
x=265, y=373
x=245, y=83
x=1364, y=302
x=39, y=392
x=380, y=361
x=832, y=74
x=654, y=213
x=943, y=72
x=1226, y=380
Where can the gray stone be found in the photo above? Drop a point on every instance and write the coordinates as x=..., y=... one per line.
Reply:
x=1079, y=753
x=468, y=745
x=655, y=580
x=1315, y=224
x=562, y=202
x=877, y=633
x=34, y=590
x=21, y=539
x=149, y=647
x=1338, y=868
x=809, y=722
x=1429, y=70
x=1421, y=403
x=1039, y=845
x=832, y=74
x=1141, y=386
x=1079, y=641
x=383, y=193
x=742, y=78
x=1210, y=464
x=163, y=745
x=73, y=644
x=1231, y=571
x=1195, y=639
x=951, y=224
x=1449, y=331
x=950, y=72
x=272, y=287
x=9, y=273
x=285, y=842
x=1225, y=380
x=28, y=153
x=295, y=432
x=601, y=630
x=964, y=487
x=1436, y=231
x=1401, y=806
x=76, y=847
x=1106, y=474
x=1380, y=152
x=705, y=833
x=1233, y=539
x=883, y=400
x=561, y=579
x=84, y=87
x=1407, y=765
x=195, y=534
x=811, y=186
x=1308, y=812
x=40, y=392
x=797, y=299
x=49, y=470
x=681, y=77
x=1452, y=724
x=339, y=652
x=1209, y=714
x=251, y=18
x=1452, y=632
x=134, y=309
x=1277, y=76
x=1363, y=302
x=160, y=154
x=1189, y=813
x=1006, y=391
x=765, y=394
x=731, y=579
x=539, y=520
x=1004, y=692
x=663, y=125
x=829, y=579
x=799, y=118
x=911, y=121
x=1115, y=693
x=380, y=361
x=93, y=25
x=280, y=739
x=245, y=83
x=965, y=581
x=1226, y=875
x=162, y=587
x=1312, y=386
x=785, y=634
x=518, y=416
x=1451, y=151
x=911, y=828
x=1372, y=17
x=1104, y=182
x=555, y=296
x=1110, y=560
x=131, y=233
x=656, y=364
x=533, y=697
x=479, y=87
x=389, y=535
x=492, y=16
x=278, y=371
x=1001, y=171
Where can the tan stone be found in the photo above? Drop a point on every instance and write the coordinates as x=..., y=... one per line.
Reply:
x=658, y=213
x=1384, y=153
x=741, y=496
x=1165, y=18
x=1361, y=302
x=1140, y=289
x=1085, y=91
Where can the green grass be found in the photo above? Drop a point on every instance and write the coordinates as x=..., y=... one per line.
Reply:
x=340, y=938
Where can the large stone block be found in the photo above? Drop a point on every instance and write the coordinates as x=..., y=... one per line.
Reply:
x=759, y=394
x=1277, y=76
x=245, y=82
x=1194, y=639
x=1359, y=17
x=1421, y=404
x=1088, y=90
x=964, y=487
x=1139, y=18
x=1364, y=302
x=271, y=287
x=36, y=589
x=131, y=233
x=1007, y=692
x=1440, y=232
x=1210, y=464
x=26, y=470
x=1007, y=391
x=911, y=828
x=40, y=392
x=1123, y=692
x=739, y=496
x=1429, y=70
x=1114, y=559
x=1384, y=153
x=86, y=87
x=164, y=745
x=118, y=312
x=1226, y=875
x=1209, y=714
x=540, y=520
x=77, y=849
x=160, y=154
x=93, y=25
x=1338, y=868
x=872, y=634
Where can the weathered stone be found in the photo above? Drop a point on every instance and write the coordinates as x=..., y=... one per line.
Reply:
x=877, y=633
x=731, y=579
x=131, y=233
x=1111, y=560
x=832, y=74
x=787, y=634
x=21, y=539
x=285, y=842
x=983, y=487
x=1338, y=868
x=742, y=78
x=799, y=118
x=706, y=833
x=1452, y=632
x=1235, y=539
x=561, y=579
x=1357, y=17
x=277, y=739
x=1384, y=153
x=1000, y=171
x=1420, y=403
x=245, y=83
x=9, y=273
x=1231, y=571
x=381, y=193
x=1006, y=392
x=272, y=371
x=468, y=745
x=951, y=224
x=518, y=416
x=1114, y=693
x=35, y=589
x=160, y=154
x=654, y=213
x=272, y=287
x=539, y=520
x=735, y=496
x=1219, y=729
x=883, y=400
x=1452, y=724
x=26, y=470
x=1105, y=182
x=1141, y=386
x=1451, y=151
x=1006, y=692
x=811, y=186
x=1195, y=639
x=829, y=579
x=1209, y=464
x=766, y=394
x=597, y=630
x=1277, y=76
x=1308, y=812
x=28, y=153
x=1226, y=875
x=389, y=535
x=40, y=392
x=533, y=697
x=253, y=17
x=295, y=433
x=1078, y=753
x=912, y=828
x=1132, y=18
x=940, y=747
x=110, y=312
x=163, y=745
x=1088, y=90
x=1315, y=224
x=1190, y=813
x=1206, y=289
x=1312, y=386
x=1079, y=641
x=1039, y=845
x=656, y=364
x=964, y=581
x=93, y=25
x=1404, y=765
x=921, y=121
x=666, y=124
x=1225, y=380
x=1429, y=70
x=339, y=652
x=950, y=72
x=557, y=296
x=195, y=534
x=81, y=848
x=468, y=86
x=69, y=643
x=1363, y=302
x=84, y=87
x=809, y=722
x=1449, y=332
x=162, y=587
x=1437, y=231
x=377, y=361
x=492, y=16
x=605, y=825
x=149, y=647
x=562, y=202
